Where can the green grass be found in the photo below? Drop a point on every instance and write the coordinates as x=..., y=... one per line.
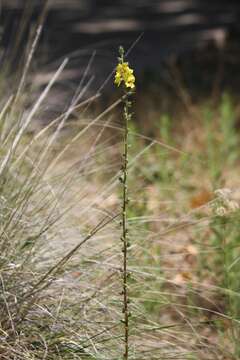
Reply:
x=193, y=259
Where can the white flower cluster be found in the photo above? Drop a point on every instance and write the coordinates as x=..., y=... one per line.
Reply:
x=225, y=204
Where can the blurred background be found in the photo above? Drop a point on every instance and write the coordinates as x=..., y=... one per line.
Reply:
x=157, y=30
x=173, y=45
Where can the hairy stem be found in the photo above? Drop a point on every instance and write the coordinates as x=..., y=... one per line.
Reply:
x=124, y=75
x=125, y=239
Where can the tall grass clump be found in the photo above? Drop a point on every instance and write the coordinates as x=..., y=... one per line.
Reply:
x=45, y=218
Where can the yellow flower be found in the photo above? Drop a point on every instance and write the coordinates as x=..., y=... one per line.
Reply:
x=124, y=74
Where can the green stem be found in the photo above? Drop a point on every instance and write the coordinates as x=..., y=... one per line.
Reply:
x=125, y=75
x=125, y=230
